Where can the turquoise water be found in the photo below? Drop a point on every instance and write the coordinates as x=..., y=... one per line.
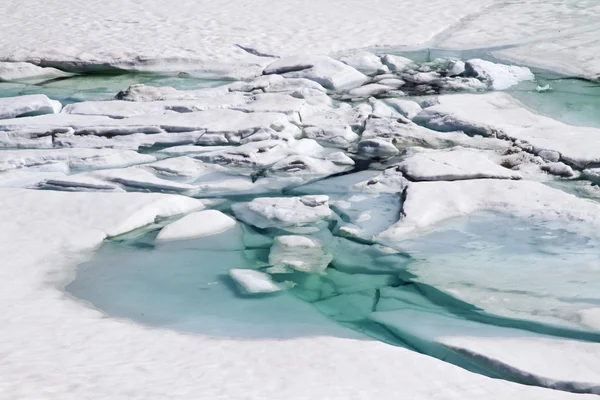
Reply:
x=87, y=87
x=440, y=284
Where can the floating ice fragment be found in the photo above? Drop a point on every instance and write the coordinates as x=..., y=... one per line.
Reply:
x=253, y=282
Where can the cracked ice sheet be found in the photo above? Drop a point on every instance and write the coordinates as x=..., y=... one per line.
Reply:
x=201, y=36
x=111, y=358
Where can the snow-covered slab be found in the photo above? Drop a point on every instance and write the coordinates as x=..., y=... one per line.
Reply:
x=299, y=253
x=33, y=104
x=450, y=165
x=190, y=150
x=250, y=155
x=302, y=165
x=133, y=141
x=225, y=125
x=363, y=61
x=326, y=71
x=71, y=158
x=253, y=282
x=79, y=183
x=26, y=139
x=497, y=76
x=15, y=71
x=553, y=363
x=428, y=203
x=405, y=133
x=277, y=84
x=267, y=212
x=195, y=225
x=137, y=178
x=183, y=167
x=500, y=115
x=125, y=109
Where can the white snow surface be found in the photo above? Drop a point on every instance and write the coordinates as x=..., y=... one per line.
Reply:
x=203, y=36
x=111, y=358
x=195, y=225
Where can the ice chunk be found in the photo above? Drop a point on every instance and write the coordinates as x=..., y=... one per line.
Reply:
x=372, y=89
x=198, y=224
x=299, y=253
x=497, y=76
x=391, y=180
x=253, y=282
x=330, y=73
x=33, y=104
x=267, y=212
x=449, y=165
x=363, y=61
x=141, y=179
x=376, y=148
x=407, y=108
x=396, y=63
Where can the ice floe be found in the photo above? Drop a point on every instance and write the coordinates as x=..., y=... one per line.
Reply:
x=299, y=253
x=253, y=282
x=500, y=115
x=450, y=165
